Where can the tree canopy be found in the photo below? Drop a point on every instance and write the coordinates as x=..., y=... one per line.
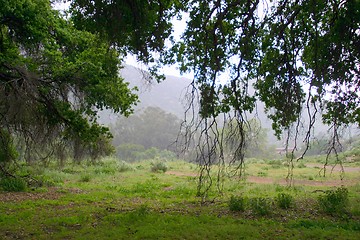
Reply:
x=301, y=55
x=54, y=78
x=299, y=51
x=152, y=127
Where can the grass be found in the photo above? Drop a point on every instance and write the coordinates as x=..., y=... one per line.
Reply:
x=284, y=200
x=117, y=200
x=11, y=184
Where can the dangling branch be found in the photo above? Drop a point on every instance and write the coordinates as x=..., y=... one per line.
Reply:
x=334, y=147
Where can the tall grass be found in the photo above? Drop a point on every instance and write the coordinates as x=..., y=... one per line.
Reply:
x=12, y=184
x=237, y=203
x=335, y=202
x=284, y=200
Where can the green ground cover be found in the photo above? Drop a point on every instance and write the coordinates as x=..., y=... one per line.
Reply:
x=116, y=200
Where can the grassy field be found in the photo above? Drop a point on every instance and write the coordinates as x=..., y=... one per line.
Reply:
x=116, y=200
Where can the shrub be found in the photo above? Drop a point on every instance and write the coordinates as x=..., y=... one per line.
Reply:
x=124, y=166
x=8, y=151
x=70, y=170
x=260, y=206
x=10, y=184
x=168, y=155
x=159, y=167
x=279, y=188
x=237, y=204
x=284, y=200
x=334, y=202
x=85, y=178
x=275, y=163
x=129, y=152
x=42, y=181
x=50, y=178
x=106, y=170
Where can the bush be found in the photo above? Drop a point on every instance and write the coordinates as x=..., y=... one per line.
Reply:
x=70, y=170
x=42, y=181
x=105, y=169
x=8, y=151
x=129, y=152
x=275, y=163
x=260, y=206
x=334, y=202
x=159, y=167
x=124, y=166
x=237, y=204
x=284, y=200
x=51, y=178
x=85, y=178
x=10, y=184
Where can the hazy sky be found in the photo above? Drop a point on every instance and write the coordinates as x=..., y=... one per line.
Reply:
x=179, y=28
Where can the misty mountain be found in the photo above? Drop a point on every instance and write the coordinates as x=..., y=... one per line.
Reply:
x=169, y=96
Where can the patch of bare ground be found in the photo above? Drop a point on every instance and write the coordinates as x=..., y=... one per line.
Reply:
x=266, y=180
x=52, y=193
x=180, y=174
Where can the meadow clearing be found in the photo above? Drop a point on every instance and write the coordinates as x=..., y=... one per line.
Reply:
x=118, y=200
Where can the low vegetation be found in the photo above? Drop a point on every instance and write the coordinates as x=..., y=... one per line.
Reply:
x=284, y=200
x=156, y=199
x=13, y=184
x=335, y=202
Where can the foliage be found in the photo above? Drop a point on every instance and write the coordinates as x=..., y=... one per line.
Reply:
x=260, y=205
x=57, y=71
x=284, y=200
x=275, y=163
x=152, y=127
x=49, y=178
x=85, y=177
x=299, y=68
x=11, y=184
x=159, y=166
x=133, y=152
x=317, y=147
x=254, y=136
x=335, y=202
x=237, y=203
x=281, y=51
x=129, y=152
x=8, y=152
x=137, y=204
x=54, y=79
x=141, y=27
x=124, y=167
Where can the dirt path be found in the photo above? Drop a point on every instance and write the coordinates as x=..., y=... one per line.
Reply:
x=52, y=193
x=180, y=174
x=267, y=180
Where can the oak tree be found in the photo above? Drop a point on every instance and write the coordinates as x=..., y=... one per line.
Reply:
x=54, y=78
